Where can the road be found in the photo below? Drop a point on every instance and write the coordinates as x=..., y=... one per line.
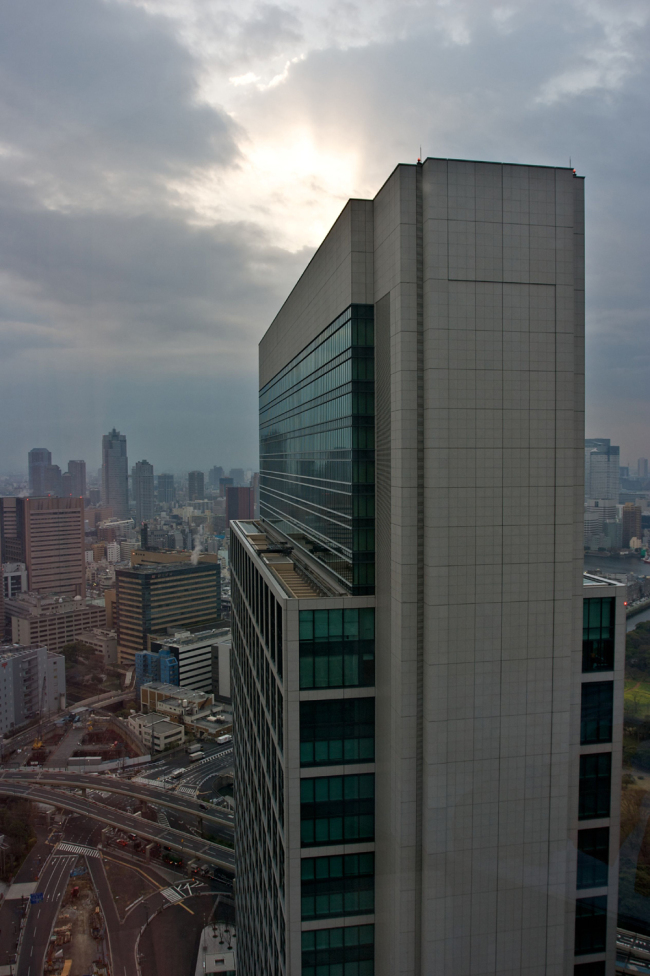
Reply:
x=177, y=840
x=166, y=794
x=41, y=918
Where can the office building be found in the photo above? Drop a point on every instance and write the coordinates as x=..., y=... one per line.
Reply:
x=421, y=398
x=221, y=686
x=38, y=459
x=166, y=492
x=77, y=472
x=30, y=678
x=47, y=534
x=224, y=483
x=53, y=620
x=156, y=598
x=195, y=485
x=238, y=477
x=103, y=641
x=602, y=464
x=642, y=468
x=52, y=484
x=156, y=732
x=14, y=579
x=240, y=504
x=193, y=654
x=155, y=666
x=631, y=524
x=115, y=474
x=142, y=482
x=255, y=485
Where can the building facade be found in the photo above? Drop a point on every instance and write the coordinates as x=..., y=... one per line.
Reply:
x=52, y=621
x=155, y=598
x=240, y=504
x=602, y=468
x=48, y=536
x=115, y=474
x=166, y=491
x=38, y=459
x=421, y=398
x=77, y=472
x=143, y=493
x=195, y=485
x=30, y=677
x=193, y=654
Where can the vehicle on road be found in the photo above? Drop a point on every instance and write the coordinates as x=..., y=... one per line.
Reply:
x=176, y=774
x=196, y=755
x=193, y=747
x=224, y=738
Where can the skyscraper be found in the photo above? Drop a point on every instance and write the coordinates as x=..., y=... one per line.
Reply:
x=52, y=480
x=77, y=472
x=213, y=476
x=240, y=503
x=115, y=473
x=602, y=468
x=47, y=534
x=38, y=459
x=407, y=611
x=195, y=485
x=238, y=477
x=166, y=490
x=142, y=480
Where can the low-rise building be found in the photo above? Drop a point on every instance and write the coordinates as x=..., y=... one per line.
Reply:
x=156, y=732
x=14, y=579
x=196, y=711
x=52, y=621
x=104, y=641
x=193, y=652
x=30, y=679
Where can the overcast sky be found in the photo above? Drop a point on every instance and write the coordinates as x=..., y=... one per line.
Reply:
x=168, y=166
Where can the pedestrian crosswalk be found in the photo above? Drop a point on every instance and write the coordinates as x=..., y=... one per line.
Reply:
x=187, y=790
x=162, y=819
x=78, y=849
x=171, y=895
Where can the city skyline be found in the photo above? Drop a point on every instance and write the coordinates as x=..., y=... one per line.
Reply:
x=229, y=167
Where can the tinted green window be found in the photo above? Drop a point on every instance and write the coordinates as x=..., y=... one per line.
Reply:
x=346, y=951
x=317, y=451
x=339, y=731
x=595, y=785
x=337, y=886
x=337, y=648
x=598, y=634
x=337, y=809
x=591, y=925
x=596, y=712
x=593, y=857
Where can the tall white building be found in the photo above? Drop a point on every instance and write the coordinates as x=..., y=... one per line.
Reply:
x=29, y=677
x=412, y=789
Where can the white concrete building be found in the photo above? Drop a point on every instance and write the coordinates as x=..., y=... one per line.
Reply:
x=420, y=545
x=29, y=677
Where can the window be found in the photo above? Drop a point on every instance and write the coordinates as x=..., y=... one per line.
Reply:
x=595, y=785
x=337, y=886
x=591, y=925
x=346, y=951
x=590, y=969
x=337, y=809
x=596, y=712
x=339, y=731
x=593, y=857
x=337, y=648
x=598, y=618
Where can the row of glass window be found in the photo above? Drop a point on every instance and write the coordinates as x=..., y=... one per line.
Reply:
x=598, y=629
x=337, y=809
x=596, y=712
x=345, y=951
x=337, y=731
x=337, y=886
x=595, y=786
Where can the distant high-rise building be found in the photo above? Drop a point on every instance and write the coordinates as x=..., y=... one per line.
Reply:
x=426, y=765
x=66, y=484
x=38, y=459
x=95, y=496
x=142, y=481
x=624, y=471
x=642, y=468
x=115, y=473
x=602, y=462
x=77, y=472
x=195, y=485
x=223, y=484
x=255, y=485
x=166, y=491
x=631, y=523
x=240, y=504
x=238, y=476
x=47, y=534
x=213, y=476
x=155, y=598
x=52, y=480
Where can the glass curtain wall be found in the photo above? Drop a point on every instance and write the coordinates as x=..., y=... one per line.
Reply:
x=317, y=449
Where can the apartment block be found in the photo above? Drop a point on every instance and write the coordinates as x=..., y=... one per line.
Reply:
x=30, y=677
x=409, y=766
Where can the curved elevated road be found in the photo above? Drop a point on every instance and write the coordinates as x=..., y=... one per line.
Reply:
x=221, y=857
x=108, y=784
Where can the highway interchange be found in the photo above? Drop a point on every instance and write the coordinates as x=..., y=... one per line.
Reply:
x=93, y=802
